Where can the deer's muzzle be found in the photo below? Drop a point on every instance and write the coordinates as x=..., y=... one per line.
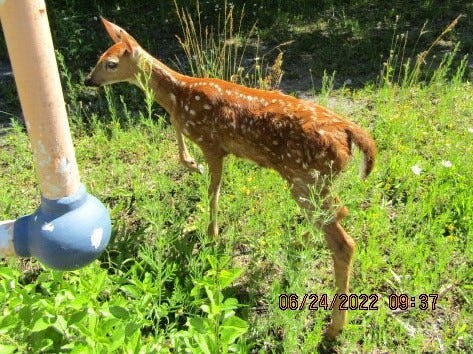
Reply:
x=90, y=82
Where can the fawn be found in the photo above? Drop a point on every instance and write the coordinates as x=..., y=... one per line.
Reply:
x=305, y=143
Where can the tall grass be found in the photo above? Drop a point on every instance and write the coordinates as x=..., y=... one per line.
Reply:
x=222, y=51
x=400, y=67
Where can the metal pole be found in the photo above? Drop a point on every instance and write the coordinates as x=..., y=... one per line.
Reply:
x=26, y=29
x=71, y=227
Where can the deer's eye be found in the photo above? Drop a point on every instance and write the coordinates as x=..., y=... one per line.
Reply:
x=111, y=65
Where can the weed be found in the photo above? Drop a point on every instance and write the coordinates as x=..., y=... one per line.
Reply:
x=221, y=52
x=219, y=330
x=399, y=68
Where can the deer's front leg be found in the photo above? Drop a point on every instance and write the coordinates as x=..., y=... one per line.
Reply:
x=184, y=156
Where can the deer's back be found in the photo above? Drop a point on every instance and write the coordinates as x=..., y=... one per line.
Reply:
x=270, y=128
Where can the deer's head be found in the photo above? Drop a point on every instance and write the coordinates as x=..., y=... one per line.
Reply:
x=119, y=62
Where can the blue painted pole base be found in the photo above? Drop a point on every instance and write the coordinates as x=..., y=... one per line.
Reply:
x=66, y=233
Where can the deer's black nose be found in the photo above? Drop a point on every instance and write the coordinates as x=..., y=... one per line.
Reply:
x=89, y=82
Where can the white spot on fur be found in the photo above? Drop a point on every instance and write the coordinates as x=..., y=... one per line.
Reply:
x=173, y=98
x=96, y=238
x=192, y=112
x=275, y=142
x=217, y=87
x=186, y=107
x=207, y=107
x=197, y=97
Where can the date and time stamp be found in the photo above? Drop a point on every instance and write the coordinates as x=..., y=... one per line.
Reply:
x=367, y=302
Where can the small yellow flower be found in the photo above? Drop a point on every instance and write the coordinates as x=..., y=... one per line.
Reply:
x=245, y=190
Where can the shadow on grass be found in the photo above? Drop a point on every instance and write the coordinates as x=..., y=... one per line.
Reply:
x=355, y=39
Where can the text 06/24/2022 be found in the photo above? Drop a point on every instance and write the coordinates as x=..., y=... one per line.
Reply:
x=395, y=302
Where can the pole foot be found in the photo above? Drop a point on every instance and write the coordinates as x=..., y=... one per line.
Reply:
x=64, y=234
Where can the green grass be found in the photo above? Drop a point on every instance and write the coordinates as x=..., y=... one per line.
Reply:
x=163, y=286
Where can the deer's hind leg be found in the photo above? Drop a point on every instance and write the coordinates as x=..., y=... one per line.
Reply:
x=214, y=159
x=341, y=245
x=343, y=248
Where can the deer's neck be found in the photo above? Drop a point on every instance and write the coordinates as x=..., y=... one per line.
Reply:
x=160, y=79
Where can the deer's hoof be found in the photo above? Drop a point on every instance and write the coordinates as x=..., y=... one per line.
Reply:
x=331, y=333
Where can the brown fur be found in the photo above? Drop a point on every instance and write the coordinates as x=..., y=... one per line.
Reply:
x=306, y=143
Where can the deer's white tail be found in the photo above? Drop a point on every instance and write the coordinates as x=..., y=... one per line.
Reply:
x=366, y=144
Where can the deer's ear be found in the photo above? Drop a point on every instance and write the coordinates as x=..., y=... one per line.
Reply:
x=119, y=35
x=115, y=32
x=129, y=42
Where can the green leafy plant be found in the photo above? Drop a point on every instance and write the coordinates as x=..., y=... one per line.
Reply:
x=220, y=328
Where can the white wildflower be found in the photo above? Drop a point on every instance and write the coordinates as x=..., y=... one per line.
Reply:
x=416, y=170
x=470, y=130
x=446, y=163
